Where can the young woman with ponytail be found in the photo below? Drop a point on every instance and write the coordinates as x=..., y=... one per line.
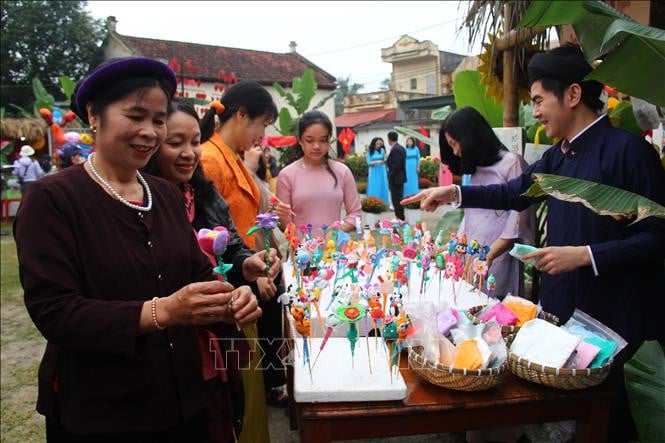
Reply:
x=315, y=187
x=233, y=125
x=246, y=109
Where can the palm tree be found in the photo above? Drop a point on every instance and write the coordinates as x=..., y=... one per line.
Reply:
x=345, y=88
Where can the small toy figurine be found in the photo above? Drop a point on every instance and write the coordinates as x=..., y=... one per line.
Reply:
x=480, y=265
x=301, y=315
x=453, y=271
x=491, y=285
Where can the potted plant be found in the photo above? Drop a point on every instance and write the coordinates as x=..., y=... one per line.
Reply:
x=412, y=213
x=429, y=169
x=362, y=187
x=424, y=183
x=358, y=166
x=372, y=208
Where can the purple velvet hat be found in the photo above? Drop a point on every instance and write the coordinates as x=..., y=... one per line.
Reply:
x=115, y=70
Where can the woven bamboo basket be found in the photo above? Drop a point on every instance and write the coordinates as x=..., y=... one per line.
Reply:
x=452, y=378
x=559, y=378
x=509, y=330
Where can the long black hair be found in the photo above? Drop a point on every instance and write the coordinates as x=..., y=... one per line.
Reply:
x=203, y=188
x=372, y=146
x=261, y=172
x=248, y=96
x=479, y=144
x=308, y=119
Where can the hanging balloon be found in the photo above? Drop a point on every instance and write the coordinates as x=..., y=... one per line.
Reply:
x=57, y=116
x=72, y=137
x=39, y=143
x=46, y=115
x=69, y=116
x=85, y=149
x=87, y=139
x=58, y=135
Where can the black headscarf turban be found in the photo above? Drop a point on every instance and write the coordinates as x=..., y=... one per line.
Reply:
x=565, y=65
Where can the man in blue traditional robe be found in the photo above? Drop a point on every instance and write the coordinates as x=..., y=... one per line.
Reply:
x=611, y=269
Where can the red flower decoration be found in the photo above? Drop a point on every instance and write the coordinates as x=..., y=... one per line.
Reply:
x=352, y=312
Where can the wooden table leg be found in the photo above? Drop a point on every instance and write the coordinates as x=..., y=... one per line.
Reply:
x=314, y=431
x=293, y=413
x=594, y=427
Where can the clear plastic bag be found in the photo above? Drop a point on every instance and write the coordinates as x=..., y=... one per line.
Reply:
x=491, y=334
x=584, y=326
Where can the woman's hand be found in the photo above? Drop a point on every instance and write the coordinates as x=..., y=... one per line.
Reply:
x=255, y=266
x=267, y=289
x=559, y=259
x=282, y=210
x=432, y=198
x=199, y=303
x=244, y=308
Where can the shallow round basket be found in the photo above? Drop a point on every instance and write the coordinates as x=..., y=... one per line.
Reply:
x=559, y=378
x=452, y=378
x=508, y=330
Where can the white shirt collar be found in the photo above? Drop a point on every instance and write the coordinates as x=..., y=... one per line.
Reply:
x=565, y=145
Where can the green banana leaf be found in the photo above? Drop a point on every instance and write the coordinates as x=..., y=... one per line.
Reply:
x=633, y=54
x=43, y=99
x=68, y=86
x=442, y=113
x=417, y=135
x=601, y=199
x=645, y=385
x=305, y=87
x=622, y=116
x=285, y=122
x=469, y=91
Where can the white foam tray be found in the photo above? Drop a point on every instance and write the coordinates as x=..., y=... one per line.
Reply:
x=335, y=378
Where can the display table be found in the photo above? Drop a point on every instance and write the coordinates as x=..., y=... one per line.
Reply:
x=326, y=407
x=431, y=409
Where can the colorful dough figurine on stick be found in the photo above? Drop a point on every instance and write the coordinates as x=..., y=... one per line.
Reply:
x=214, y=242
x=351, y=314
x=265, y=222
x=301, y=315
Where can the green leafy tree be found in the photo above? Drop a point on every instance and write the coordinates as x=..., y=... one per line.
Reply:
x=345, y=88
x=304, y=89
x=45, y=40
x=386, y=84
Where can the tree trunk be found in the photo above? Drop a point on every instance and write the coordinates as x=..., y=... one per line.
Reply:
x=510, y=86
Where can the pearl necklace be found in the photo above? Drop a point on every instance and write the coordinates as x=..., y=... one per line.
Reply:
x=116, y=194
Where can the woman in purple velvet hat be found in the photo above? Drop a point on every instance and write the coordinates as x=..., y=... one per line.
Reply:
x=114, y=278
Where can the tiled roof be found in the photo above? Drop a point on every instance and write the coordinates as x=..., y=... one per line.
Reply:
x=261, y=66
x=358, y=118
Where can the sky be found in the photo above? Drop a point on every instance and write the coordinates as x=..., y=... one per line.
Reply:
x=343, y=38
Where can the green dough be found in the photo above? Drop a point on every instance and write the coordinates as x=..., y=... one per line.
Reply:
x=519, y=250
